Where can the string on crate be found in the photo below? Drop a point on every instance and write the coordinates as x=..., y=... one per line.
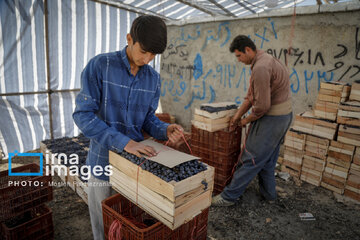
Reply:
x=193, y=235
x=187, y=144
x=115, y=230
x=240, y=155
x=137, y=179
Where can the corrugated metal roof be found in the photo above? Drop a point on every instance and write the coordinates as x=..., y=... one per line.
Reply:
x=187, y=9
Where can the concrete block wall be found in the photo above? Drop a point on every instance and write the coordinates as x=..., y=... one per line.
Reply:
x=197, y=66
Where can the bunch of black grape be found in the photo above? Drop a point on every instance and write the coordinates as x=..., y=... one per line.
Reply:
x=212, y=109
x=83, y=140
x=177, y=173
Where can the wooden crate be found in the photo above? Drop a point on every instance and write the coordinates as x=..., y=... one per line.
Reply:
x=356, y=158
x=340, y=154
x=293, y=172
x=349, y=135
x=334, y=178
x=316, y=147
x=336, y=172
x=313, y=163
x=312, y=170
x=352, y=187
x=216, y=115
x=326, y=110
x=311, y=176
x=355, y=92
x=294, y=157
x=308, y=123
x=172, y=203
x=295, y=140
x=211, y=127
x=334, y=92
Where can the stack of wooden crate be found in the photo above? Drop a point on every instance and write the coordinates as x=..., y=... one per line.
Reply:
x=329, y=97
x=337, y=166
x=308, y=123
x=293, y=153
x=330, y=156
x=314, y=159
x=352, y=187
x=349, y=113
x=214, y=116
x=355, y=91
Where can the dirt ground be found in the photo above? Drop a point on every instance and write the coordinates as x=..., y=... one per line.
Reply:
x=250, y=218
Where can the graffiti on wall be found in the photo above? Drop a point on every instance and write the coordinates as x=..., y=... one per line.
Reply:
x=189, y=80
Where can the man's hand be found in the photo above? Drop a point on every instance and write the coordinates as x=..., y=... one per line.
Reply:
x=234, y=122
x=174, y=132
x=138, y=149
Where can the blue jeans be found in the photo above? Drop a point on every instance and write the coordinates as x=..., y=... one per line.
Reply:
x=259, y=157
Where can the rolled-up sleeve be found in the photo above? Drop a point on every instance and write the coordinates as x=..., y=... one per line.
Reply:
x=87, y=106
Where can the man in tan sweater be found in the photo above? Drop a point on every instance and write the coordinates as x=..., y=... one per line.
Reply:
x=271, y=114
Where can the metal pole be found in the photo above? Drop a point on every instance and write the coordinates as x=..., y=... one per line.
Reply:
x=46, y=12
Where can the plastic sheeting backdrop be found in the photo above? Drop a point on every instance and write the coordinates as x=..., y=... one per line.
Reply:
x=77, y=31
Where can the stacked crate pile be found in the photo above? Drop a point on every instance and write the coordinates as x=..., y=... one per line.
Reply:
x=307, y=161
x=352, y=187
x=329, y=97
x=314, y=159
x=293, y=153
x=318, y=128
x=213, y=142
x=23, y=213
x=349, y=133
x=337, y=166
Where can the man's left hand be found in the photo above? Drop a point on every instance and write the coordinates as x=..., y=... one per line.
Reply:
x=174, y=132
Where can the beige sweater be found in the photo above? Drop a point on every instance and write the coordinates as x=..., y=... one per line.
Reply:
x=269, y=91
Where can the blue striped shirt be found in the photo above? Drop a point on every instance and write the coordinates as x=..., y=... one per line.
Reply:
x=113, y=106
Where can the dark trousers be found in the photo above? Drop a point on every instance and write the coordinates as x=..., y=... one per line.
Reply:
x=259, y=157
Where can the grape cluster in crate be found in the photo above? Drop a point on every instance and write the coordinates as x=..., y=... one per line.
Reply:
x=177, y=173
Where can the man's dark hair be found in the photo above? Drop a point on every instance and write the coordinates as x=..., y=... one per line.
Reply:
x=150, y=32
x=240, y=42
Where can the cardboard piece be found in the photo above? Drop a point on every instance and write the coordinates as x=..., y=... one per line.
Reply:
x=167, y=156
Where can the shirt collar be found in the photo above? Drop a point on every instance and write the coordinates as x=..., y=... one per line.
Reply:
x=258, y=54
x=125, y=58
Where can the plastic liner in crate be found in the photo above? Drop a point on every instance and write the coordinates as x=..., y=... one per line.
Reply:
x=126, y=220
x=34, y=224
x=231, y=139
x=15, y=200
